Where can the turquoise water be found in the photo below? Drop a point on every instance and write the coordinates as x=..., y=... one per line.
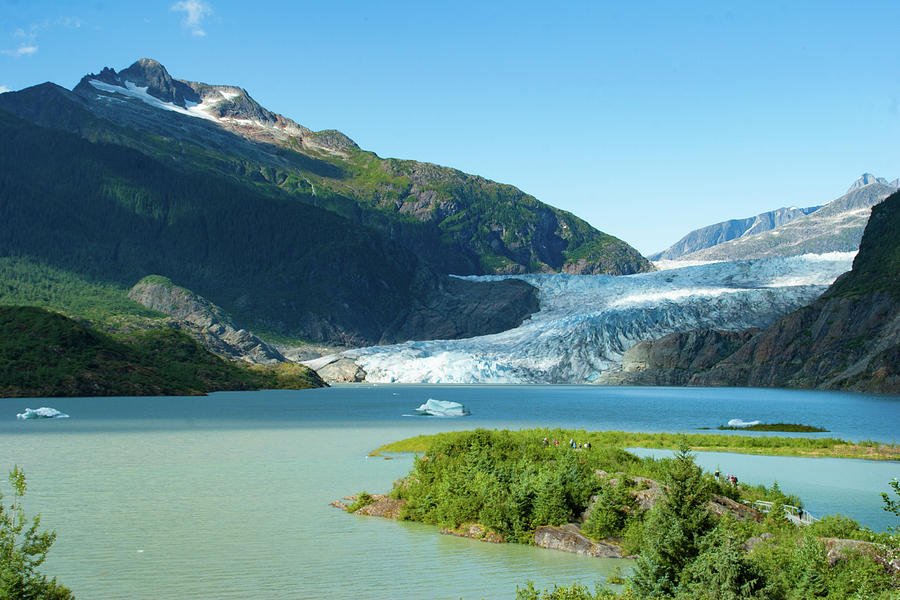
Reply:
x=227, y=496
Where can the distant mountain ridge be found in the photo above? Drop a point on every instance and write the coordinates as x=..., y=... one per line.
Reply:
x=834, y=227
x=718, y=233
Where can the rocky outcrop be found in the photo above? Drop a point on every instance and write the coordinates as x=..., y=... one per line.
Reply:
x=720, y=505
x=475, y=531
x=337, y=369
x=569, y=538
x=840, y=550
x=675, y=358
x=383, y=506
x=208, y=323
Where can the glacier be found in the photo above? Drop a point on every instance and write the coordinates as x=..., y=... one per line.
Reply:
x=587, y=322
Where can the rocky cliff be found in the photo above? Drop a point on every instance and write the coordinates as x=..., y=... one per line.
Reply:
x=849, y=338
x=205, y=321
x=675, y=358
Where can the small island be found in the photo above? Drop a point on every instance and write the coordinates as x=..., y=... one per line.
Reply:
x=778, y=427
x=686, y=529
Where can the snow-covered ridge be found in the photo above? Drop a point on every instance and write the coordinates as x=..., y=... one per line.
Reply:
x=206, y=109
x=586, y=322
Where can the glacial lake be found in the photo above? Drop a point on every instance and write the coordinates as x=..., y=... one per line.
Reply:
x=227, y=496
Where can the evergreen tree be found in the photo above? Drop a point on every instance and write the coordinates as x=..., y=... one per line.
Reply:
x=23, y=549
x=722, y=571
x=674, y=529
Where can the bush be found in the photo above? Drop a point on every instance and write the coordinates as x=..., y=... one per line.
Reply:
x=364, y=499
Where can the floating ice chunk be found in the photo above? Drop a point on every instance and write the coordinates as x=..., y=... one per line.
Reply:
x=740, y=423
x=442, y=408
x=44, y=412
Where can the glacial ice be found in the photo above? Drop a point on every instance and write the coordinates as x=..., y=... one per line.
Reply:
x=442, y=408
x=44, y=412
x=587, y=322
x=740, y=423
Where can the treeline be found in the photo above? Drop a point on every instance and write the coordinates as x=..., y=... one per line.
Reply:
x=45, y=354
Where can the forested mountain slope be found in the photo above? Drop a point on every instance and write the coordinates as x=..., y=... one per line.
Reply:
x=110, y=214
x=455, y=222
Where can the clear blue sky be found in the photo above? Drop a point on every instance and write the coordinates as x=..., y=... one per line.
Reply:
x=648, y=119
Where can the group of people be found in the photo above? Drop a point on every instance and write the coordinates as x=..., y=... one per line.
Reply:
x=732, y=479
x=572, y=444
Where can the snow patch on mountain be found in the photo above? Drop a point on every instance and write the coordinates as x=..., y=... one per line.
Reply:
x=586, y=322
x=134, y=91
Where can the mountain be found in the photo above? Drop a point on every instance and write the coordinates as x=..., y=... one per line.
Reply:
x=835, y=227
x=104, y=216
x=849, y=338
x=867, y=179
x=718, y=233
x=297, y=234
x=455, y=222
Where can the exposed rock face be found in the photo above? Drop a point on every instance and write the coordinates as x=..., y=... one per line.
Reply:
x=841, y=343
x=460, y=308
x=206, y=321
x=675, y=358
x=719, y=505
x=337, y=369
x=384, y=506
x=840, y=550
x=569, y=538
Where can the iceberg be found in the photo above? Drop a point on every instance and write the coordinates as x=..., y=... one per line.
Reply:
x=442, y=408
x=44, y=412
x=740, y=423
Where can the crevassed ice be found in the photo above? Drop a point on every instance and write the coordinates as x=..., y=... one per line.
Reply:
x=586, y=322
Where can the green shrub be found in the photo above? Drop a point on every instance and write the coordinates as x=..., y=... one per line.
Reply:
x=364, y=499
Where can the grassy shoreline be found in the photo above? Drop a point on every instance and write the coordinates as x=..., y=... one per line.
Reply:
x=739, y=444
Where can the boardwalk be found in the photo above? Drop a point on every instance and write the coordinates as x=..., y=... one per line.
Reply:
x=793, y=514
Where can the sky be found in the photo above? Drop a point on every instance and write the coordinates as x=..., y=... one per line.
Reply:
x=647, y=119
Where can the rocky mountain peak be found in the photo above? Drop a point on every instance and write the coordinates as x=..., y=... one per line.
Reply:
x=866, y=179
x=149, y=73
x=144, y=73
